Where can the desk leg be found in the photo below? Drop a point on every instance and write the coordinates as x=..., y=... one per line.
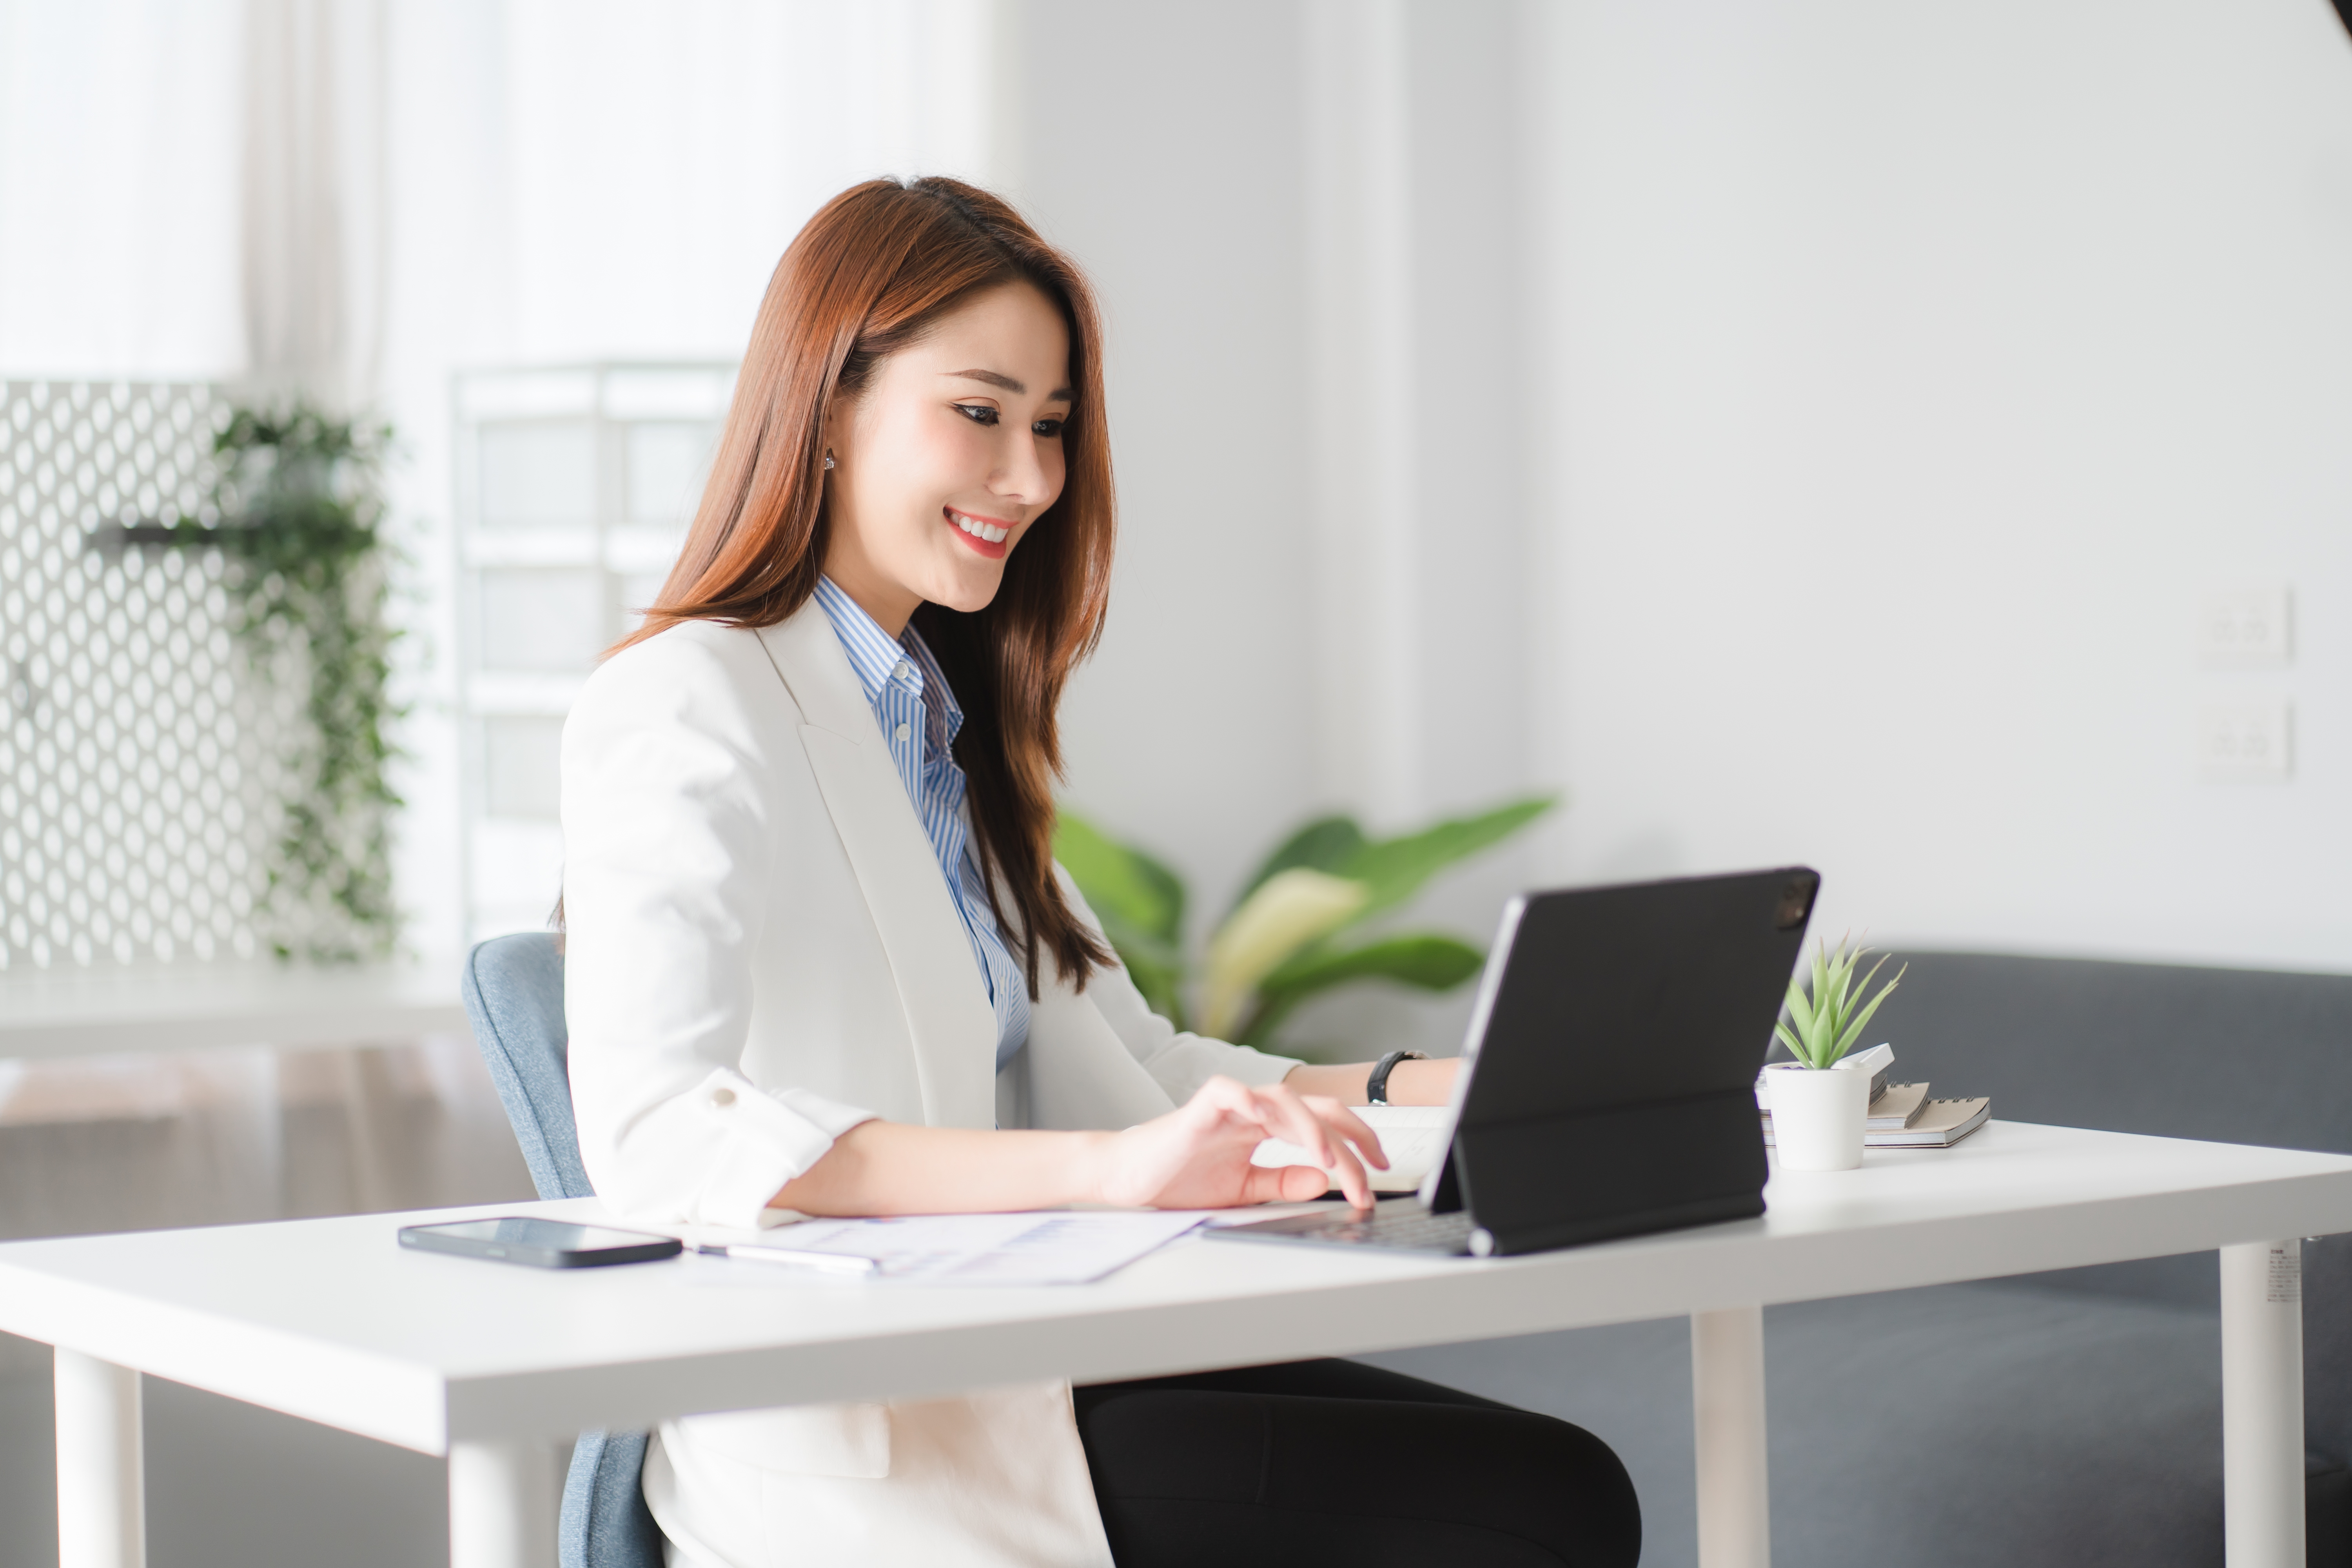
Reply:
x=2261, y=1404
x=1735, y=1518
x=101, y=1466
x=503, y=1499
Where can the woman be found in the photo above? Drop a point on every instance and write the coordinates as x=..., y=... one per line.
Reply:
x=821, y=960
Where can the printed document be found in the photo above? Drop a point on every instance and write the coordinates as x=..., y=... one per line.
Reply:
x=1055, y=1247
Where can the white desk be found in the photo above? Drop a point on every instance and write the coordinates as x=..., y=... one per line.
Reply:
x=199, y=1006
x=330, y=1320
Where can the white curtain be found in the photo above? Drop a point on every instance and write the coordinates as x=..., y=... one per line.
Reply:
x=355, y=199
x=312, y=216
x=244, y=188
x=119, y=176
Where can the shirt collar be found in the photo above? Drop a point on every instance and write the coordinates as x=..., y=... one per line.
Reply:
x=877, y=659
x=880, y=662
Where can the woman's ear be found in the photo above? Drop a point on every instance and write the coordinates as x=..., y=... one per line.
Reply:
x=840, y=424
x=831, y=431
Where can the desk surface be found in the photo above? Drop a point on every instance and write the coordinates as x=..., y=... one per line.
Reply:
x=200, y=1006
x=332, y=1320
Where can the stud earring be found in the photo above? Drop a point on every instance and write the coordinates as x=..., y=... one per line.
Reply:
x=828, y=459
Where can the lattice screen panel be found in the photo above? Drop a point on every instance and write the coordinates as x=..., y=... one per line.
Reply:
x=137, y=755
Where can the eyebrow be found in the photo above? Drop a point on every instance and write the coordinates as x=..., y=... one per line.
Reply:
x=995, y=378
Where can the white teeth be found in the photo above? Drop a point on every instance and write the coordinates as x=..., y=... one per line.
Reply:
x=979, y=530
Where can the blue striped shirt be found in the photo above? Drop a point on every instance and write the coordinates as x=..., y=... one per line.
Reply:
x=897, y=677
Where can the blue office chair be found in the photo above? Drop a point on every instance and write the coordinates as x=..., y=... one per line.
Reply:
x=514, y=994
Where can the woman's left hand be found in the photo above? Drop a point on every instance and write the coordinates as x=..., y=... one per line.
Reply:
x=1198, y=1155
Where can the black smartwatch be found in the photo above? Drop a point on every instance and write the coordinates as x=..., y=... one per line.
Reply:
x=1376, y=1087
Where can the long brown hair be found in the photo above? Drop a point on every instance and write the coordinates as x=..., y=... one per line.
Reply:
x=874, y=270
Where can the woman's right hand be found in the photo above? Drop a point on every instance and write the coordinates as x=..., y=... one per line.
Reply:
x=1198, y=1155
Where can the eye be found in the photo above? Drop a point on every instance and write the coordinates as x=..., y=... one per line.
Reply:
x=1049, y=428
x=977, y=413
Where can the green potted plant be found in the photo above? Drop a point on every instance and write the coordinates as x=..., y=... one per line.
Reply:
x=297, y=510
x=1818, y=1111
x=1285, y=939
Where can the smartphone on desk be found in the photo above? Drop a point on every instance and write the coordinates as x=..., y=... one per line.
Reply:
x=540, y=1243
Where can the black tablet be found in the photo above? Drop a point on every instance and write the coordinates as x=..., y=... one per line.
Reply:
x=1608, y=1082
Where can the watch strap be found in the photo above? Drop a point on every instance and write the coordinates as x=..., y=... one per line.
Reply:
x=1376, y=1087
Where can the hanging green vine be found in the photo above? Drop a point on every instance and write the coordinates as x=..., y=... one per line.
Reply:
x=297, y=512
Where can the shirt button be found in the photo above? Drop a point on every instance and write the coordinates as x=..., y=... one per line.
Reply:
x=902, y=732
x=722, y=1097
x=904, y=670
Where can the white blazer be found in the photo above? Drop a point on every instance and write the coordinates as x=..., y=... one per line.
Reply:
x=762, y=953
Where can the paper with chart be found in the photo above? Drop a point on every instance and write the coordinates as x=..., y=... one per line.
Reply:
x=1055, y=1247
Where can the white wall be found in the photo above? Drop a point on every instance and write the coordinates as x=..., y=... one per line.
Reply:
x=1161, y=147
x=1303, y=223
x=1906, y=374
x=1708, y=378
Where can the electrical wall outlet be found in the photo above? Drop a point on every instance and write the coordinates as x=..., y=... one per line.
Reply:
x=2246, y=741
x=2246, y=628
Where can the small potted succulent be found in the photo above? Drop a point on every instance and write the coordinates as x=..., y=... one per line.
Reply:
x=1818, y=1111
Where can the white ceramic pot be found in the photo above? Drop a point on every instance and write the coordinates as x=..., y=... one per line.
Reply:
x=1817, y=1117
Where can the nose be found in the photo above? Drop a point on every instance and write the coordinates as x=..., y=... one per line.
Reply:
x=1023, y=477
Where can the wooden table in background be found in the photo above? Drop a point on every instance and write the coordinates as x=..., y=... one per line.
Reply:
x=203, y=1006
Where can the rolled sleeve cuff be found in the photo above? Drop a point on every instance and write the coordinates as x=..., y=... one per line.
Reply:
x=1254, y=1066
x=764, y=1139
x=1190, y=1060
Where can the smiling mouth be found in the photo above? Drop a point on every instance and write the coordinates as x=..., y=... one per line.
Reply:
x=985, y=536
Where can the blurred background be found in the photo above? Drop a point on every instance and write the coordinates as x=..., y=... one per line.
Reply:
x=1906, y=439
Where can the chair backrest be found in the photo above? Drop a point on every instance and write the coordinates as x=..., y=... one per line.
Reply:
x=513, y=987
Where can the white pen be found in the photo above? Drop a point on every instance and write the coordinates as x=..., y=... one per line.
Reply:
x=830, y=1262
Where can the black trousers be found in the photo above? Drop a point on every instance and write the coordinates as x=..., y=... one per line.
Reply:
x=1329, y=1462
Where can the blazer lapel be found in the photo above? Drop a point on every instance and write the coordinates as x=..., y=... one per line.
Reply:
x=946, y=1002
